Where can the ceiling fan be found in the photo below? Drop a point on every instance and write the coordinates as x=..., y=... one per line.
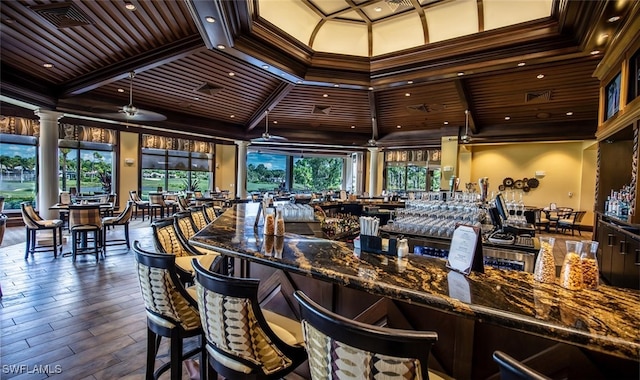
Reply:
x=130, y=112
x=372, y=141
x=466, y=138
x=266, y=136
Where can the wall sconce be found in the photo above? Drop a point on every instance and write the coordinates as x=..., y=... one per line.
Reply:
x=540, y=173
x=447, y=168
x=129, y=161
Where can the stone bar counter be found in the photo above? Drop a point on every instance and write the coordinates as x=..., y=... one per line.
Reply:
x=602, y=323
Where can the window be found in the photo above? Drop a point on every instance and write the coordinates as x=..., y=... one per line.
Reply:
x=266, y=172
x=86, y=167
x=317, y=173
x=174, y=170
x=18, y=160
x=413, y=170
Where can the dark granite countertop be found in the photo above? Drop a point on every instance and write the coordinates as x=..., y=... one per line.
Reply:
x=605, y=320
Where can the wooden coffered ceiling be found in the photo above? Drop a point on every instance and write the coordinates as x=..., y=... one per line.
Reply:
x=217, y=79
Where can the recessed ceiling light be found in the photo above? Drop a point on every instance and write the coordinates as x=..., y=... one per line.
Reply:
x=221, y=46
x=569, y=113
x=275, y=122
x=410, y=82
x=595, y=52
x=325, y=95
x=121, y=90
x=298, y=81
x=232, y=74
x=266, y=67
x=353, y=127
x=232, y=116
x=370, y=88
x=210, y=19
x=507, y=117
x=196, y=98
x=407, y=94
x=446, y=123
x=378, y=9
x=48, y=65
x=130, y=6
x=460, y=74
x=540, y=76
x=398, y=126
x=521, y=64
x=614, y=19
x=604, y=35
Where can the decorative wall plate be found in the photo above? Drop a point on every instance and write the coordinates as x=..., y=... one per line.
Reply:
x=526, y=188
x=533, y=183
x=501, y=187
x=508, y=182
x=518, y=184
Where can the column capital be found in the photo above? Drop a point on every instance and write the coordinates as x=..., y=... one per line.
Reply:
x=373, y=149
x=242, y=143
x=44, y=114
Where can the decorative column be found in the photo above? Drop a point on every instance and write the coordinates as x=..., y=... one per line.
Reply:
x=241, y=180
x=48, y=181
x=373, y=170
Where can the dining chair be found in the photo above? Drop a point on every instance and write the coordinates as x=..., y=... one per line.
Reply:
x=244, y=341
x=340, y=348
x=121, y=219
x=571, y=221
x=156, y=203
x=541, y=220
x=83, y=220
x=139, y=204
x=171, y=311
x=512, y=369
x=34, y=223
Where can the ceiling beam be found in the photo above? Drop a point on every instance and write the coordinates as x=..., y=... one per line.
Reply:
x=272, y=101
x=465, y=103
x=374, y=115
x=140, y=63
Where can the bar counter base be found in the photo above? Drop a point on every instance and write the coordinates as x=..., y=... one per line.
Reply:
x=465, y=346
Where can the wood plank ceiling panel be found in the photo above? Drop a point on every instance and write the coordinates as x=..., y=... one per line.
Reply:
x=113, y=35
x=563, y=89
x=429, y=106
x=306, y=107
x=174, y=86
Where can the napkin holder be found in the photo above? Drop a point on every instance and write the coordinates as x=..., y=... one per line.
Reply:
x=373, y=244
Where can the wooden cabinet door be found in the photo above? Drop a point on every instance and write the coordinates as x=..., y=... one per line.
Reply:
x=631, y=259
x=607, y=240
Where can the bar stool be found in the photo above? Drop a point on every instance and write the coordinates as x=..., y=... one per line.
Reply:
x=339, y=347
x=34, y=222
x=171, y=311
x=85, y=219
x=242, y=340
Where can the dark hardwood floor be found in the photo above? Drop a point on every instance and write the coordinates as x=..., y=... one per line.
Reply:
x=75, y=321
x=82, y=320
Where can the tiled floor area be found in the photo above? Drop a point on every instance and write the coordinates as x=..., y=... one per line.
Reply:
x=82, y=320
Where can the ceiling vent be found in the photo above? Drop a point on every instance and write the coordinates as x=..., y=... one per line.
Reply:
x=537, y=96
x=62, y=15
x=321, y=110
x=425, y=108
x=209, y=89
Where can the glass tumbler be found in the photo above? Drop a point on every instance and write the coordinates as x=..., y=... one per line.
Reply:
x=571, y=272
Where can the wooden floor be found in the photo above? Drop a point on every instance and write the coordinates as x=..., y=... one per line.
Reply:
x=82, y=320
